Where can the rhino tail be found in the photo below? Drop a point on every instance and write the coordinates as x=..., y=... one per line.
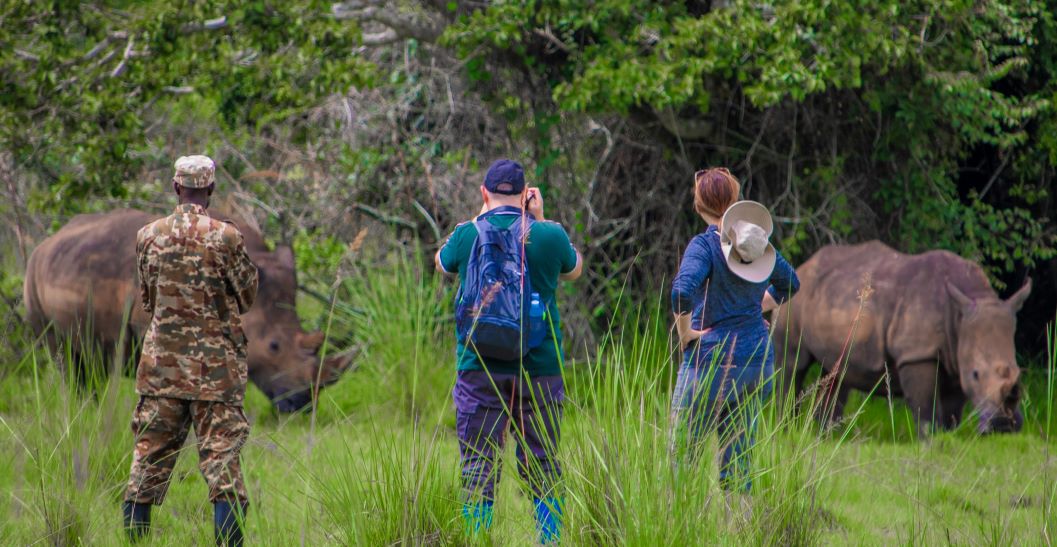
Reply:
x=31, y=299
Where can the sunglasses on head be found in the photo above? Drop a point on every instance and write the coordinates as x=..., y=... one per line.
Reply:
x=699, y=172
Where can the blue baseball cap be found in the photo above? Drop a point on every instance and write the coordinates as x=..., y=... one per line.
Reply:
x=505, y=177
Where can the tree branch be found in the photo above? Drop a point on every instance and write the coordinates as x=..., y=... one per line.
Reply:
x=106, y=58
x=386, y=37
x=210, y=24
x=99, y=47
x=546, y=34
x=27, y=56
x=120, y=68
x=429, y=219
x=118, y=35
x=178, y=90
x=382, y=217
x=399, y=26
x=994, y=177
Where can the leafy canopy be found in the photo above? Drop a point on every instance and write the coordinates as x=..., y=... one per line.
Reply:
x=917, y=88
x=78, y=81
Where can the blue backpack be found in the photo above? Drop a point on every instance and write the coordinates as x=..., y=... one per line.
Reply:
x=497, y=314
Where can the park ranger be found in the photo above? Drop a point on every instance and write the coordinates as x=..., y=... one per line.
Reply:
x=196, y=280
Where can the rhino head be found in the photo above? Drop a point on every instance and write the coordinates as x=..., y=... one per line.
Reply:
x=284, y=360
x=986, y=357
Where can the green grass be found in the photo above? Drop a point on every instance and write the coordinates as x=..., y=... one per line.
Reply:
x=378, y=463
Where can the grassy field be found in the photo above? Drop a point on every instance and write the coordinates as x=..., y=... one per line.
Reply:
x=377, y=463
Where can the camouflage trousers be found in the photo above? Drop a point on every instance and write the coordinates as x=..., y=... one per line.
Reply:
x=160, y=426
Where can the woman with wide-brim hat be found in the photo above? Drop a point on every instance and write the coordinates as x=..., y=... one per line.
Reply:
x=729, y=277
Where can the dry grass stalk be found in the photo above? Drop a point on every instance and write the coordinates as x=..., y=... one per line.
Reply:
x=830, y=383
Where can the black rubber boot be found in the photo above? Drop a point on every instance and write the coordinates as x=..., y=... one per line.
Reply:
x=226, y=523
x=137, y=520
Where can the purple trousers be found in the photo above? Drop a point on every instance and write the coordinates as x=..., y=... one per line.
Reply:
x=485, y=405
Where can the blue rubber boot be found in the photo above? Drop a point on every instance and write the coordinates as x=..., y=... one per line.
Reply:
x=137, y=520
x=549, y=519
x=226, y=523
x=478, y=517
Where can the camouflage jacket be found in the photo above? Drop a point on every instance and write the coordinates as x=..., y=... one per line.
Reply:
x=196, y=279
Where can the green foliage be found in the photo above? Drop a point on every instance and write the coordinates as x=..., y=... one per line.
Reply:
x=1021, y=238
x=317, y=255
x=80, y=80
x=396, y=315
x=918, y=87
x=11, y=315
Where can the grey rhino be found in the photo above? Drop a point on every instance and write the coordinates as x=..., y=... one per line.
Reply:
x=931, y=321
x=81, y=285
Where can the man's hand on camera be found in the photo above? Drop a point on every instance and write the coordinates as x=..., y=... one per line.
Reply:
x=534, y=203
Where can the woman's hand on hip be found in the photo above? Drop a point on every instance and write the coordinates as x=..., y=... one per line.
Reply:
x=691, y=336
x=687, y=334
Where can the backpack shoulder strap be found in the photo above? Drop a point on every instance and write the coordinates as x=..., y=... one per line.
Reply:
x=487, y=233
x=490, y=233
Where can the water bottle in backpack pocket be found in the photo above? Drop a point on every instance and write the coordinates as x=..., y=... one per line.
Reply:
x=493, y=309
x=537, y=321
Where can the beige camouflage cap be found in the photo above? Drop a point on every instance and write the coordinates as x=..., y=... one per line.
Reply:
x=194, y=171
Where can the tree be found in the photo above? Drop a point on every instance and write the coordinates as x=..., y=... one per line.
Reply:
x=854, y=119
x=78, y=81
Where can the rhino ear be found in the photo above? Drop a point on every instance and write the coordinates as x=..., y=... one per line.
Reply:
x=333, y=367
x=311, y=341
x=964, y=302
x=1017, y=300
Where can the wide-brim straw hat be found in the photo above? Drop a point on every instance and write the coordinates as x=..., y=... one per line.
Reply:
x=744, y=236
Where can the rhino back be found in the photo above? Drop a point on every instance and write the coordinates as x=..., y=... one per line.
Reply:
x=827, y=314
x=87, y=269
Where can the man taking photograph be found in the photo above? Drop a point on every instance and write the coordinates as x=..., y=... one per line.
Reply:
x=509, y=344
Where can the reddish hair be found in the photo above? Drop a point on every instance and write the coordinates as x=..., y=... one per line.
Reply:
x=715, y=190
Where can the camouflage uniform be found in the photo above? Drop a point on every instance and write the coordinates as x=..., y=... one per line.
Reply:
x=196, y=278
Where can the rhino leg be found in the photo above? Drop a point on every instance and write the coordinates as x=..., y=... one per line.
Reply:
x=74, y=364
x=89, y=367
x=830, y=409
x=804, y=360
x=792, y=367
x=919, y=383
x=951, y=404
x=82, y=360
x=127, y=352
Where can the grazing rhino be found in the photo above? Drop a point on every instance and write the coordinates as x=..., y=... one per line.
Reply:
x=82, y=282
x=931, y=321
